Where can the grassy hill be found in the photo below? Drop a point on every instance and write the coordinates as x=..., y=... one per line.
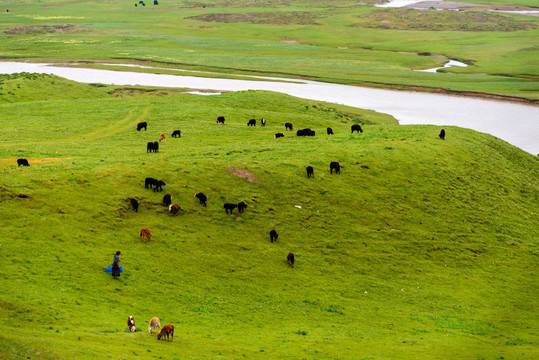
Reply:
x=420, y=248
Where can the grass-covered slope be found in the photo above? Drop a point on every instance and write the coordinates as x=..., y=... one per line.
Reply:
x=420, y=248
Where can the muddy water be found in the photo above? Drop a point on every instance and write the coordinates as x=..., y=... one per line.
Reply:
x=517, y=124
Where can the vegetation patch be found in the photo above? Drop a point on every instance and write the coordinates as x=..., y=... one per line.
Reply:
x=42, y=29
x=293, y=18
x=435, y=20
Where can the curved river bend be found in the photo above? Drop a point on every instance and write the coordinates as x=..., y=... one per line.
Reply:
x=518, y=124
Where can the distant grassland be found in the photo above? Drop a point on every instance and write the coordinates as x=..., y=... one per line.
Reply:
x=340, y=42
x=420, y=249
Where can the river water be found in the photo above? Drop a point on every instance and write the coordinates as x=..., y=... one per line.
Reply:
x=518, y=124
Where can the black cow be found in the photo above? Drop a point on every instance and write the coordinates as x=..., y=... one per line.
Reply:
x=142, y=125
x=300, y=133
x=159, y=185
x=221, y=120
x=312, y=133
x=356, y=127
x=241, y=207
x=251, y=122
x=442, y=134
x=22, y=162
x=134, y=204
x=330, y=131
x=263, y=122
x=176, y=133
x=310, y=171
x=167, y=200
x=278, y=135
x=288, y=126
x=149, y=182
x=155, y=146
x=149, y=147
x=202, y=198
x=273, y=235
x=335, y=166
x=290, y=259
x=305, y=132
x=230, y=207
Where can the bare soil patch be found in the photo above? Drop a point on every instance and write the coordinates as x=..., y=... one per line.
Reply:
x=42, y=29
x=31, y=160
x=244, y=174
x=291, y=18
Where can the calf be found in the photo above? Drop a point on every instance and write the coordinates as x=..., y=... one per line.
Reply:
x=22, y=162
x=167, y=200
x=356, y=127
x=263, y=122
x=149, y=182
x=290, y=259
x=251, y=122
x=442, y=135
x=202, y=198
x=166, y=331
x=131, y=324
x=334, y=165
x=310, y=171
x=154, y=323
x=221, y=120
x=176, y=133
x=162, y=137
x=145, y=235
x=134, y=204
x=273, y=235
x=288, y=126
x=159, y=185
x=241, y=207
x=278, y=135
x=230, y=207
x=330, y=131
x=173, y=209
x=142, y=125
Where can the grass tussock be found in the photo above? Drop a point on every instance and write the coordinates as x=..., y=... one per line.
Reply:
x=419, y=248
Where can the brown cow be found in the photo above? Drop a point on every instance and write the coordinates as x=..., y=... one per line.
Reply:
x=145, y=234
x=162, y=137
x=173, y=209
x=131, y=324
x=154, y=323
x=166, y=331
x=290, y=259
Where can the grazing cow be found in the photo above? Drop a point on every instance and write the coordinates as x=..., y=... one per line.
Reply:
x=154, y=323
x=221, y=120
x=167, y=200
x=263, y=122
x=176, y=133
x=442, y=135
x=145, y=234
x=159, y=185
x=241, y=207
x=335, y=166
x=356, y=127
x=142, y=125
x=22, y=162
x=251, y=122
x=278, y=135
x=305, y=132
x=149, y=147
x=166, y=331
x=155, y=146
x=162, y=137
x=288, y=126
x=173, y=209
x=299, y=133
x=330, y=131
x=230, y=207
x=310, y=171
x=149, y=182
x=273, y=235
x=202, y=198
x=131, y=324
x=134, y=204
x=290, y=259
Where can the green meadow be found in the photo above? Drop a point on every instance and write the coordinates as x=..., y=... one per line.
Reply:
x=337, y=41
x=420, y=248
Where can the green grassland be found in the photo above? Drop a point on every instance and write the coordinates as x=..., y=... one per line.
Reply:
x=420, y=249
x=337, y=41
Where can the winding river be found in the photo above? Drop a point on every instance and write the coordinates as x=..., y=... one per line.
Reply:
x=518, y=124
